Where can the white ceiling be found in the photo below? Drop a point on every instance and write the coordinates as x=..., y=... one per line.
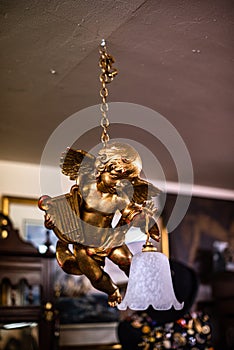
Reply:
x=173, y=56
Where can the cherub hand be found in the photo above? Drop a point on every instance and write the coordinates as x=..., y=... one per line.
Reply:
x=149, y=208
x=114, y=298
x=154, y=230
x=49, y=222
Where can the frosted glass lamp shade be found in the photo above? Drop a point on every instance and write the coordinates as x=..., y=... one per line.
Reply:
x=150, y=283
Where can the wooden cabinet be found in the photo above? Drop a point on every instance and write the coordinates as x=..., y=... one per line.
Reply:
x=26, y=280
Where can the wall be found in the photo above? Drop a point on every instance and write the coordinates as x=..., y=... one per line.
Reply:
x=19, y=179
x=24, y=180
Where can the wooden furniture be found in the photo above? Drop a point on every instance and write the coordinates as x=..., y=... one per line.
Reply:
x=86, y=321
x=22, y=265
x=86, y=335
x=223, y=294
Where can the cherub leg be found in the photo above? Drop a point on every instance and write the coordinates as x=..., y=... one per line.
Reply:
x=97, y=276
x=122, y=257
x=66, y=259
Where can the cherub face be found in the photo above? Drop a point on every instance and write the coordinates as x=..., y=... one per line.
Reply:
x=109, y=179
x=121, y=161
x=112, y=174
x=115, y=171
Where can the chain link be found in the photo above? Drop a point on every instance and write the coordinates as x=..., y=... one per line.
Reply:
x=106, y=77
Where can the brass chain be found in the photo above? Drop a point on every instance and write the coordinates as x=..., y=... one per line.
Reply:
x=106, y=77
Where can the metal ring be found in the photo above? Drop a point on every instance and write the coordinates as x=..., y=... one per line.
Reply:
x=104, y=107
x=103, y=77
x=104, y=92
x=105, y=138
x=105, y=122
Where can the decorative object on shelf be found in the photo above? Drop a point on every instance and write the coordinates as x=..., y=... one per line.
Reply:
x=18, y=336
x=5, y=226
x=108, y=198
x=193, y=331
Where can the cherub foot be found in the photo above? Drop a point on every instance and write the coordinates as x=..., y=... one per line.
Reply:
x=115, y=298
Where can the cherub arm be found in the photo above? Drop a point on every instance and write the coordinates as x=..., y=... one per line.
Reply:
x=141, y=205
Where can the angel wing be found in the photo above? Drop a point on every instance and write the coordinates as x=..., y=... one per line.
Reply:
x=70, y=162
x=141, y=190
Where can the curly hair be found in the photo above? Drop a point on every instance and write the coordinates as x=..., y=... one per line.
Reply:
x=117, y=156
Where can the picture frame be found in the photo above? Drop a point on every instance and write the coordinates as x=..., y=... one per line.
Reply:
x=26, y=217
x=206, y=226
x=36, y=233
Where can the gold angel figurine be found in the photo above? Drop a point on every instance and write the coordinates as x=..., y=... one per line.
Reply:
x=109, y=197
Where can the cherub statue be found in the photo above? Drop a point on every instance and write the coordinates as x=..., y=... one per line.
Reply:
x=107, y=200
